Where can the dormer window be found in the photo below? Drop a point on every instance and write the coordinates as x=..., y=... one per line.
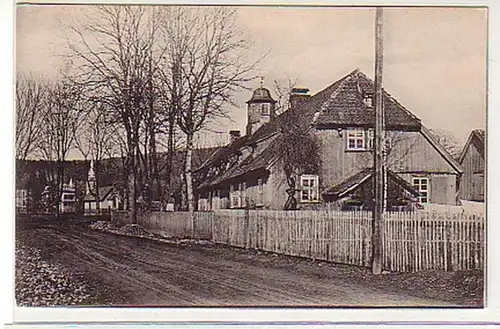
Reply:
x=368, y=100
x=265, y=109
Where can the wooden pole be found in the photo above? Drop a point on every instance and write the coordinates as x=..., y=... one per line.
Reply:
x=379, y=144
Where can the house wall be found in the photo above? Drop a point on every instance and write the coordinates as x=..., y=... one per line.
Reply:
x=414, y=153
x=91, y=206
x=472, y=181
x=337, y=164
x=411, y=154
x=443, y=187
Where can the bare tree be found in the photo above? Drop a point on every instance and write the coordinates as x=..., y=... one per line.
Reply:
x=447, y=140
x=113, y=54
x=60, y=120
x=94, y=139
x=30, y=95
x=206, y=58
x=282, y=90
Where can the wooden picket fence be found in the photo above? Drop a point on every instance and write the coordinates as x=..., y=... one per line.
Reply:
x=342, y=237
x=425, y=241
x=411, y=241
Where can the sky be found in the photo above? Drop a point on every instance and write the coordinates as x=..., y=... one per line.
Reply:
x=435, y=59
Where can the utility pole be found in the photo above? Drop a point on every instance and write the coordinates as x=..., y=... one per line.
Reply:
x=379, y=169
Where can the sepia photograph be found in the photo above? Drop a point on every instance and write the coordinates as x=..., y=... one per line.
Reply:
x=250, y=156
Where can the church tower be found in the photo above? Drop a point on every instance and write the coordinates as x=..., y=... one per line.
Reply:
x=260, y=110
x=91, y=179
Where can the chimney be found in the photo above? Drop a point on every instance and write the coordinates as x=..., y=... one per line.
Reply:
x=234, y=135
x=298, y=96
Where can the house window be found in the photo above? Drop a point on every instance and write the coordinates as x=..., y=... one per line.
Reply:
x=260, y=192
x=265, y=109
x=309, y=188
x=359, y=139
x=238, y=195
x=68, y=196
x=421, y=184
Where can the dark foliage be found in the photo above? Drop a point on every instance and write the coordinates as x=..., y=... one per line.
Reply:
x=299, y=152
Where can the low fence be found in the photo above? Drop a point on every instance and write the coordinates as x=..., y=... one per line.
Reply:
x=174, y=224
x=411, y=241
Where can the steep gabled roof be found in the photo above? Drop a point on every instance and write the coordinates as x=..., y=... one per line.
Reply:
x=477, y=138
x=353, y=182
x=347, y=108
x=104, y=192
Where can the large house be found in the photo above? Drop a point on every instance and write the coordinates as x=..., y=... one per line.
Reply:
x=472, y=160
x=247, y=172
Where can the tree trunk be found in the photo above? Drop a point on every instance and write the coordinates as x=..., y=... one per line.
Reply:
x=60, y=183
x=188, y=172
x=189, y=182
x=170, y=155
x=155, y=187
x=96, y=187
x=132, y=185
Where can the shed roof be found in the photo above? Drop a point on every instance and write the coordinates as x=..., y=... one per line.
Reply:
x=477, y=138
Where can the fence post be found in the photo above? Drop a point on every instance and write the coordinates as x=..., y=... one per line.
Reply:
x=211, y=225
x=246, y=220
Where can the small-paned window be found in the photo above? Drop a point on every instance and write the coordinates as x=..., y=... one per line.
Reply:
x=421, y=184
x=309, y=188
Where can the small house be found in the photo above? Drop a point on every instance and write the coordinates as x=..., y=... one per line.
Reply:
x=102, y=199
x=109, y=200
x=472, y=159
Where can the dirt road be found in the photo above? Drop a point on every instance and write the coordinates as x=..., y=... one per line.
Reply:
x=134, y=271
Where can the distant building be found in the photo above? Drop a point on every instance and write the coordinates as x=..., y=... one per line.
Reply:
x=67, y=204
x=245, y=172
x=106, y=200
x=472, y=159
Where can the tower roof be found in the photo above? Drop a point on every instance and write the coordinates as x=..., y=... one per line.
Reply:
x=91, y=174
x=261, y=95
